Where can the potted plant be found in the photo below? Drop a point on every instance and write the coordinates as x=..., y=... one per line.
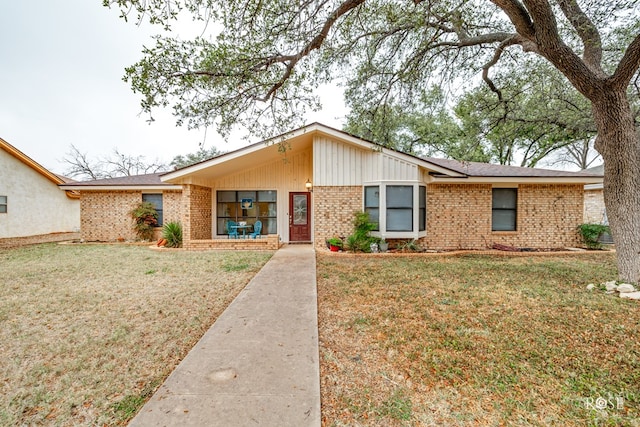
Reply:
x=335, y=244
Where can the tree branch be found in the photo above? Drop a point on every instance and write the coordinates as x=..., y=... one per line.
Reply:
x=628, y=65
x=292, y=60
x=519, y=17
x=588, y=33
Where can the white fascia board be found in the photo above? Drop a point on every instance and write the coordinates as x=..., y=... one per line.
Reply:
x=518, y=180
x=121, y=187
x=599, y=186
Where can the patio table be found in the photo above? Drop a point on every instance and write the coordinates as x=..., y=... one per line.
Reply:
x=243, y=228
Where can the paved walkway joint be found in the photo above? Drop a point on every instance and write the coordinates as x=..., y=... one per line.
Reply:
x=258, y=364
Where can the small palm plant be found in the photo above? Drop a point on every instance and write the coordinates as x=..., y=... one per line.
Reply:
x=145, y=218
x=172, y=233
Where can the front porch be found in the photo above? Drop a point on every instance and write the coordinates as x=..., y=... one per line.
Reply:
x=270, y=242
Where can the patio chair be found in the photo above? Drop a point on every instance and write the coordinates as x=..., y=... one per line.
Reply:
x=232, y=230
x=257, y=229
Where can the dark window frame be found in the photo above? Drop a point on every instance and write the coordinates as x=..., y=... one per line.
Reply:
x=4, y=204
x=269, y=200
x=498, y=210
x=160, y=211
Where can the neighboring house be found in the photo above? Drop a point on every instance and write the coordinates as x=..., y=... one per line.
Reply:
x=594, y=210
x=32, y=206
x=105, y=204
x=305, y=186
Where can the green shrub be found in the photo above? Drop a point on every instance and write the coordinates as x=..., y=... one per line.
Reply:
x=360, y=240
x=591, y=233
x=145, y=219
x=172, y=233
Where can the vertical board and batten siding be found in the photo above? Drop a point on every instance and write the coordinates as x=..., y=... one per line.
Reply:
x=339, y=164
x=288, y=174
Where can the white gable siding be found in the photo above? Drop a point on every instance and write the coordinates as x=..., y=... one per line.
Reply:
x=340, y=164
x=35, y=204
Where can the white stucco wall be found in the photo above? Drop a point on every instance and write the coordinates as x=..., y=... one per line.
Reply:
x=35, y=204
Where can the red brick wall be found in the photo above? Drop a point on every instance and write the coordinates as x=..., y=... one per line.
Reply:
x=196, y=202
x=459, y=217
x=593, y=206
x=333, y=209
x=104, y=215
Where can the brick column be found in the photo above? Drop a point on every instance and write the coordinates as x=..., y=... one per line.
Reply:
x=196, y=213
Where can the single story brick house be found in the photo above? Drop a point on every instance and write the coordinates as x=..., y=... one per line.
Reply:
x=304, y=186
x=105, y=204
x=33, y=209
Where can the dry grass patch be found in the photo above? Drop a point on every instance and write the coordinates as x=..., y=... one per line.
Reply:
x=476, y=340
x=89, y=332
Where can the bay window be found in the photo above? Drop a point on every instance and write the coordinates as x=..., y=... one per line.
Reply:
x=398, y=209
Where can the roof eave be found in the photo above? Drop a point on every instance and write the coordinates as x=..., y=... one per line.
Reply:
x=30, y=162
x=314, y=127
x=120, y=187
x=520, y=179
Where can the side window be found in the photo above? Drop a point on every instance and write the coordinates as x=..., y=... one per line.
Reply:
x=422, y=217
x=3, y=204
x=156, y=201
x=504, y=209
x=372, y=204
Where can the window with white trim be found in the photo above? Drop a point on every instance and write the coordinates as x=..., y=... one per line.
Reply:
x=504, y=209
x=396, y=208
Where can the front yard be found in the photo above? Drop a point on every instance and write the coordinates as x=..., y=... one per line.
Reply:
x=88, y=332
x=476, y=340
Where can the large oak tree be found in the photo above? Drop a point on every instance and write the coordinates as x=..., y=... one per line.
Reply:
x=270, y=55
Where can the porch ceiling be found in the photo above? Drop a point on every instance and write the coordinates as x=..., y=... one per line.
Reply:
x=243, y=159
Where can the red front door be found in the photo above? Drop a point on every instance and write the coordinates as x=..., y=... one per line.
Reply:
x=299, y=217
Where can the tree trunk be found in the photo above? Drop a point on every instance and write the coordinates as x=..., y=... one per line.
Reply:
x=619, y=144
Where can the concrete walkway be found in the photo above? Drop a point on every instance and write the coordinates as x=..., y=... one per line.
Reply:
x=258, y=364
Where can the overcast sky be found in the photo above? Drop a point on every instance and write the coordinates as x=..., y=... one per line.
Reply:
x=61, y=69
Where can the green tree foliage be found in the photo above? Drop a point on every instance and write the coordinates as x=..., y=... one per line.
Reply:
x=202, y=154
x=538, y=114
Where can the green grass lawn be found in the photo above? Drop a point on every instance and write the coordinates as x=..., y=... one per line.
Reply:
x=476, y=340
x=88, y=332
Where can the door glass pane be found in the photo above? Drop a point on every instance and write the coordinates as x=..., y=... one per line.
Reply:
x=266, y=196
x=247, y=195
x=227, y=210
x=226, y=196
x=399, y=196
x=269, y=225
x=299, y=209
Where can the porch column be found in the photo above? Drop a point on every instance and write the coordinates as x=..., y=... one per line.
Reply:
x=196, y=214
